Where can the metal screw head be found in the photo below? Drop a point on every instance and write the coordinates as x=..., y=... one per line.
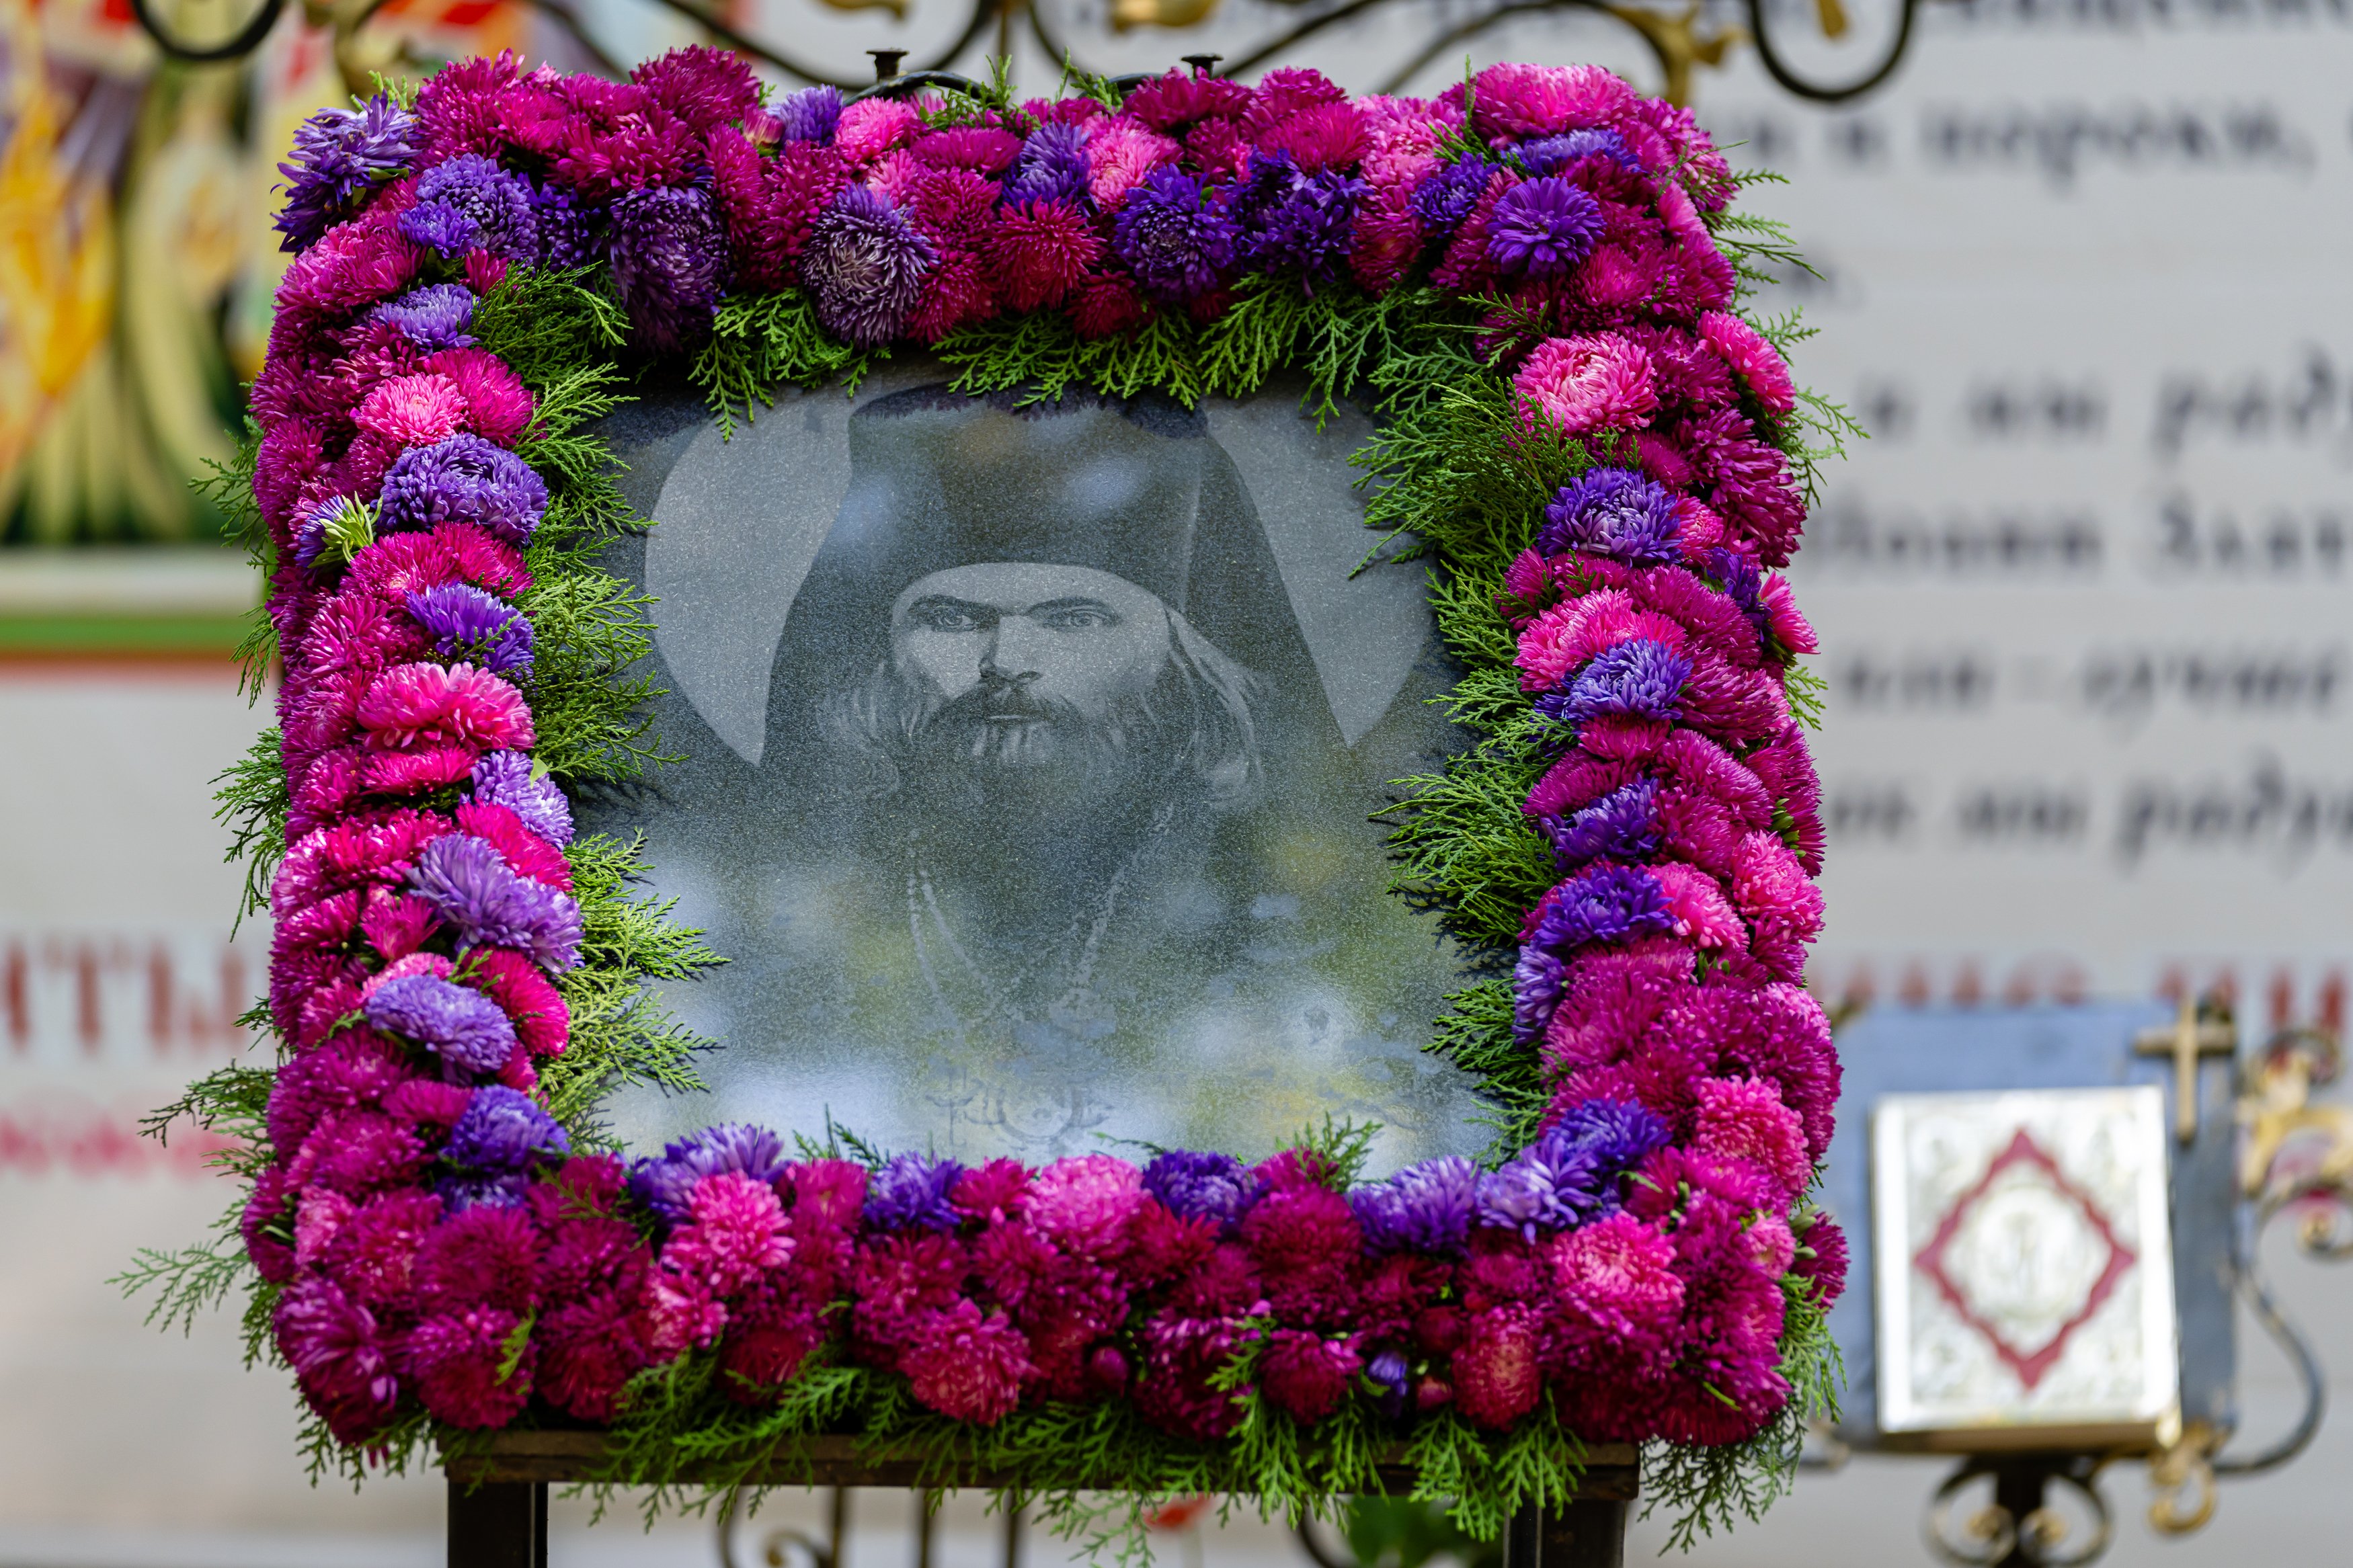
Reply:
x=886, y=62
x=1202, y=64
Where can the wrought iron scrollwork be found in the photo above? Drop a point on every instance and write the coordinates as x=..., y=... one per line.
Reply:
x=1677, y=39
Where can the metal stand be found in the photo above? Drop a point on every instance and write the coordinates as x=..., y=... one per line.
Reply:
x=498, y=1524
x=498, y=1500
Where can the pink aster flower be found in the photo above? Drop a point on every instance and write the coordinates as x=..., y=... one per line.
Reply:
x=1618, y=1274
x=424, y=704
x=1084, y=1203
x=1498, y=1368
x=680, y=1310
x=1596, y=381
x=525, y=852
x=737, y=1233
x=413, y=410
x=1513, y=100
x=873, y=126
x=486, y=1256
x=1822, y=1259
x=542, y=1019
x=1743, y=1119
x=1773, y=889
x=1749, y=356
x=993, y=1194
x=498, y=407
x=1174, y=1392
x=1790, y=628
x=1703, y=915
x=1120, y=157
x=967, y=1366
x=1040, y=252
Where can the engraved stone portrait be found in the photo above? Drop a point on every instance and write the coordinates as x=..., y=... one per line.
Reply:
x=1024, y=759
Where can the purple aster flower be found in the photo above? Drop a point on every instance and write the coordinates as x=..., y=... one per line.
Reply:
x=502, y=1129
x=435, y=317
x=1744, y=584
x=670, y=262
x=1614, y=512
x=1536, y=992
x=470, y=201
x=338, y=155
x=809, y=115
x=1620, y=1135
x=1620, y=825
x=505, y=778
x=481, y=1189
x=311, y=533
x=1438, y=1197
x=1607, y=904
x=463, y=478
x=469, y=884
x=1175, y=240
x=463, y=620
x=913, y=1190
x=1052, y=167
x=1542, y=228
x=1521, y=1196
x=1442, y=201
x=666, y=1184
x=1549, y=154
x=1380, y=1217
x=1389, y=1369
x=864, y=267
x=569, y=231
x=1290, y=219
x=466, y=1029
x=1639, y=679
x=1191, y=1184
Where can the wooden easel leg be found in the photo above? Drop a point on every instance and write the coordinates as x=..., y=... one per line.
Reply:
x=1588, y=1533
x=498, y=1524
x=1523, y=1538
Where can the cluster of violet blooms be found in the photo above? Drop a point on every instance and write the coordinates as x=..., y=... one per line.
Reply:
x=439, y=1244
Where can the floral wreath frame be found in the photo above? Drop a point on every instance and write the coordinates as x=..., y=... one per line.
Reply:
x=1535, y=283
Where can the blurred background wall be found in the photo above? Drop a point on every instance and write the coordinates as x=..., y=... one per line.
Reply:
x=2081, y=274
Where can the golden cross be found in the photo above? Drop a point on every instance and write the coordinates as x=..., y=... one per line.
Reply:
x=2185, y=1042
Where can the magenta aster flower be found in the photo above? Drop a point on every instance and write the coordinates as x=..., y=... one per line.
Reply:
x=340, y=154
x=1177, y=242
x=464, y=1028
x=1822, y=1259
x=967, y=1366
x=1174, y=1392
x=338, y=1357
x=1498, y=1367
x=1038, y=252
x=464, y=1373
x=1756, y=362
x=1539, y=100
x=1542, y=228
x=701, y=85
x=1305, y=1376
x=1175, y=101
x=412, y=410
x=670, y=262
x=734, y=1233
x=864, y=267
